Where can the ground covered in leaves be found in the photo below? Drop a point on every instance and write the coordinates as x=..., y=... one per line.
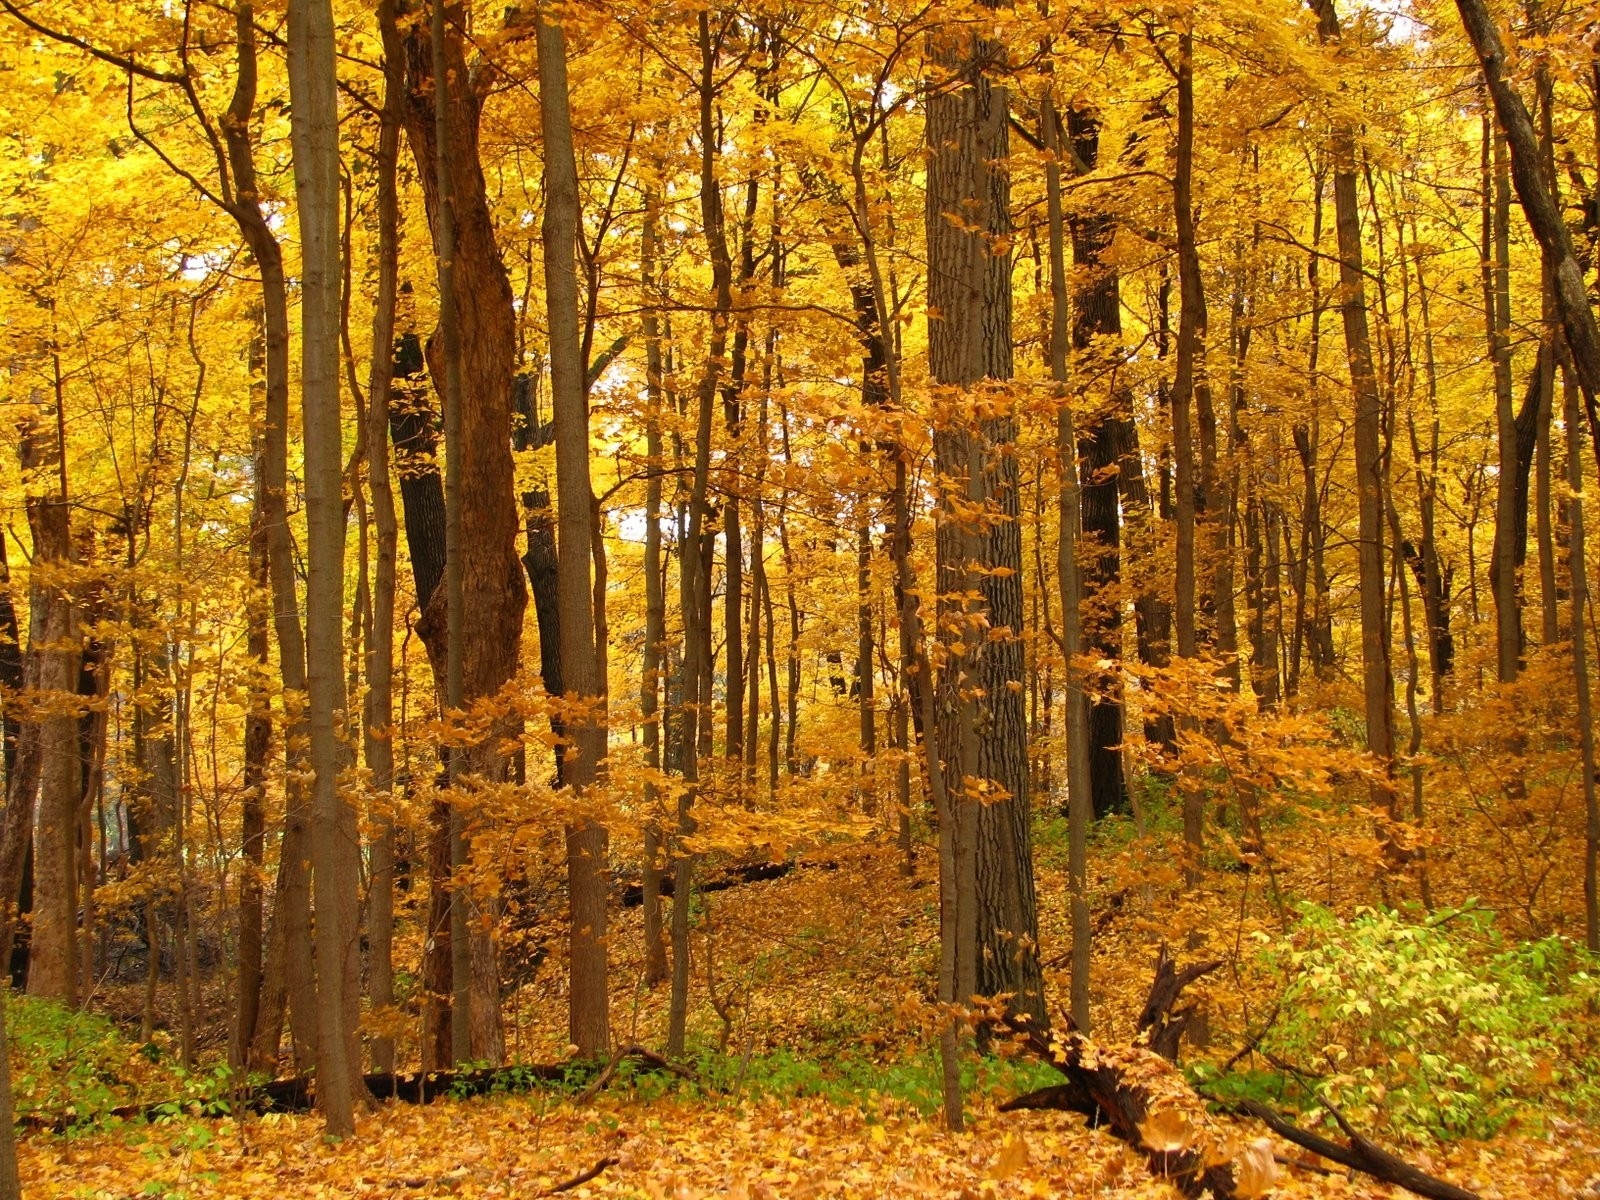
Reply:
x=812, y=1043
x=673, y=1149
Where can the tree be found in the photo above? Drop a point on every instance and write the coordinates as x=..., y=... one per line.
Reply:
x=313, y=89
x=983, y=727
x=586, y=837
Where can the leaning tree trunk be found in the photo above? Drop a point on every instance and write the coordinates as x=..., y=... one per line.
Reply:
x=493, y=594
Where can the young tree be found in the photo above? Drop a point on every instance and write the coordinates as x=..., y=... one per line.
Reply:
x=315, y=130
x=589, y=1023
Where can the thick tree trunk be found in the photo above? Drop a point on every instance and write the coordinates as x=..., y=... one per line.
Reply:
x=492, y=593
x=984, y=740
x=53, y=634
x=1096, y=316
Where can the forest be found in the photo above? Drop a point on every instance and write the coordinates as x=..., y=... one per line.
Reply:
x=906, y=597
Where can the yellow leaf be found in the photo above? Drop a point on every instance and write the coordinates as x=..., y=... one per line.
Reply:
x=1167, y=1130
x=1012, y=1160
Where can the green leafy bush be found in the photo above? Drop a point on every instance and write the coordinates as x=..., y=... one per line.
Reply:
x=72, y=1069
x=1435, y=1027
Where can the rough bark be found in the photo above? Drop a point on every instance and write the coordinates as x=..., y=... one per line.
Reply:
x=1097, y=316
x=983, y=723
x=53, y=635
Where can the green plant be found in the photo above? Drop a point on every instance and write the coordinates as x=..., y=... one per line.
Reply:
x=1432, y=1027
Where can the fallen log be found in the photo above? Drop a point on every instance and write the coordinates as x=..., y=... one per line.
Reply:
x=1138, y=1093
x=414, y=1087
x=1142, y=1099
x=633, y=893
x=1362, y=1154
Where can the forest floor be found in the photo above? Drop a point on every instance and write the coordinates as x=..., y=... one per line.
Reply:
x=816, y=1070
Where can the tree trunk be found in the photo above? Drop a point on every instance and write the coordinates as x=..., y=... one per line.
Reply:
x=1097, y=315
x=589, y=1012
x=655, y=604
x=315, y=136
x=378, y=723
x=984, y=740
x=492, y=593
x=1503, y=574
x=1377, y=680
x=1189, y=374
x=52, y=959
x=1080, y=809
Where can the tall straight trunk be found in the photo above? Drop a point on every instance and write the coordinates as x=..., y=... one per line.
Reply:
x=53, y=636
x=655, y=604
x=378, y=724
x=732, y=527
x=694, y=592
x=315, y=137
x=984, y=737
x=1497, y=322
x=1583, y=344
x=1189, y=373
x=1080, y=808
x=1376, y=678
x=1097, y=316
x=1578, y=592
x=257, y=745
x=589, y=1011
x=1549, y=332
x=449, y=357
x=287, y=976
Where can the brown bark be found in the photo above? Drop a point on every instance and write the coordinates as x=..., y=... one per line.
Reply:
x=493, y=594
x=53, y=635
x=984, y=733
x=1377, y=680
x=589, y=1011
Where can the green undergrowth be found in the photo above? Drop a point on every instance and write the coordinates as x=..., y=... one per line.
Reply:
x=845, y=1079
x=1431, y=1026
x=72, y=1070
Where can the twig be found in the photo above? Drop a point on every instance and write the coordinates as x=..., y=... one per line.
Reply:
x=648, y=1057
x=582, y=1177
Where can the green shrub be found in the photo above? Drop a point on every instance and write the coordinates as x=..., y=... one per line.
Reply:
x=1435, y=1027
x=72, y=1069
